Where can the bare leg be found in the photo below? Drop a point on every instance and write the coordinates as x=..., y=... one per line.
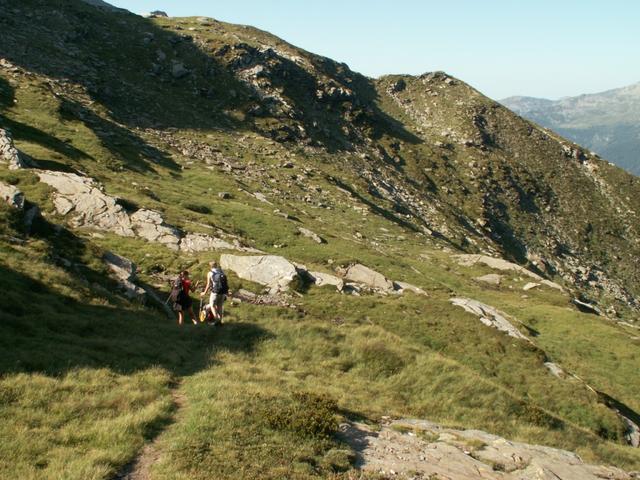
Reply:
x=180, y=317
x=194, y=319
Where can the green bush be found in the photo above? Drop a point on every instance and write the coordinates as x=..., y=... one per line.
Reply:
x=307, y=414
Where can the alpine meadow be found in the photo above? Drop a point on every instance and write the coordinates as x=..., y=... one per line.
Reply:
x=423, y=284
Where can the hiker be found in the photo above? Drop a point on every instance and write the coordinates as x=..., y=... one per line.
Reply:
x=217, y=283
x=183, y=299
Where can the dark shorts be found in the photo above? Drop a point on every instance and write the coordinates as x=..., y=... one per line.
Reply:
x=184, y=300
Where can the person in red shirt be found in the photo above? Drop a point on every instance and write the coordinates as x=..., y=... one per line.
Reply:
x=184, y=299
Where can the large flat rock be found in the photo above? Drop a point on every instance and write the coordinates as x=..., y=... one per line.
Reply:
x=270, y=270
x=421, y=449
x=359, y=273
x=489, y=316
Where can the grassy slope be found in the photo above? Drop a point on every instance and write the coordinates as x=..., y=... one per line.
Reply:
x=89, y=374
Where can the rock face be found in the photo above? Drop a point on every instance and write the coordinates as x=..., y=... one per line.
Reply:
x=9, y=153
x=360, y=274
x=150, y=225
x=82, y=199
x=124, y=271
x=274, y=272
x=489, y=316
x=12, y=195
x=421, y=449
x=88, y=205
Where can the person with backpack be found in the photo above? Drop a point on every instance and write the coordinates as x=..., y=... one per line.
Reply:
x=219, y=287
x=183, y=304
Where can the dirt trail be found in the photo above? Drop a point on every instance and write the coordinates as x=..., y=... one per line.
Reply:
x=140, y=466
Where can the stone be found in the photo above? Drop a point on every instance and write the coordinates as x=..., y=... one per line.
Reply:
x=530, y=286
x=467, y=260
x=275, y=272
x=491, y=279
x=489, y=316
x=150, y=225
x=12, y=195
x=224, y=195
x=361, y=274
x=586, y=307
x=320, y=279
x=178, y=70
x=262, y=197
x=199, y=242
x=123, y=271
x=401, y=287
x=84, y=200
x=9, y=153
x=311, y=235
x=555, y=369
x=421, y=449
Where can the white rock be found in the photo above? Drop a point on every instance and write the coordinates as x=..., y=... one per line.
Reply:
x=489, y=316
x=360, y=274
x=270, y=270
x=402, y=286
x=150, y=225
x=12, y=195
x=198, y=242
x=491, y=279
x=309, y=234
x=9, y=153
x=321, y=279
x=123, y=271
x=530, y=286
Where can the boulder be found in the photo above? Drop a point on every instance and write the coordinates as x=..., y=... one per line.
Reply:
x=9, y=153
x=199, y=242
x=411, y=448
x=12, y=196
x=555, y=369
x=489, y=316
x=88, y=205
x=178, y=70
x=123, y=271
x=530, y=286
x=586, y=307
x=401, y=287
x=320, y=279
x=491, y=279
x=358, y=273
x=273, y=271
x=311, y=235
x=467, y=260
x=150, y=225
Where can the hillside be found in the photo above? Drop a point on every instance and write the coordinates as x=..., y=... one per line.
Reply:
x=398, y=248
x=605, y=122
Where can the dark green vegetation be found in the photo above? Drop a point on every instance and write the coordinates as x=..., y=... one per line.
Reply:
x=396, y=173
x=605, y=122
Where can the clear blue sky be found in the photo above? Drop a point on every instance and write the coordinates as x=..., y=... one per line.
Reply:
x=542, y=48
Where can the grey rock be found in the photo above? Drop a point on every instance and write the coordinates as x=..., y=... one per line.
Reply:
x=491, y=279
x=150, y=225
x=198, y=242
x=224, y=195
x=81, y=198
x=422, y=449
x=401, y=287
x=361, y=274
x=9, y=153
x=530, y=286
x=311, y=235
x=320, y=279
x=273, y=271
x=178, y=70
x=586, y=307
x=555, y=369
x=12, y=195
x=123, y=271
x=489, y=316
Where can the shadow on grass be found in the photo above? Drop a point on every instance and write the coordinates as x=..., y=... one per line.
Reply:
x=43, y=330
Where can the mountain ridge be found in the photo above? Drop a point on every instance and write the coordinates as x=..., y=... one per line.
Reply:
x=433, y=255
x=606, y=122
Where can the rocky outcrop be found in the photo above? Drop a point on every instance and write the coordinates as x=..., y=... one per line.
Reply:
x=361, y=274
x=123, y=271
x=274, y=272
x=468, y=260
x=422, y=449
x=9, y=153
x=401, y=287
x=12, y=196
x=489, y=316
x=150, y=225
x=310, y=235
x=82, y=199
x=320, y=279
x=490, y=278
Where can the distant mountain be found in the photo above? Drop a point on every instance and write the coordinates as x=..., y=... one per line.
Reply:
x=608, y=123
